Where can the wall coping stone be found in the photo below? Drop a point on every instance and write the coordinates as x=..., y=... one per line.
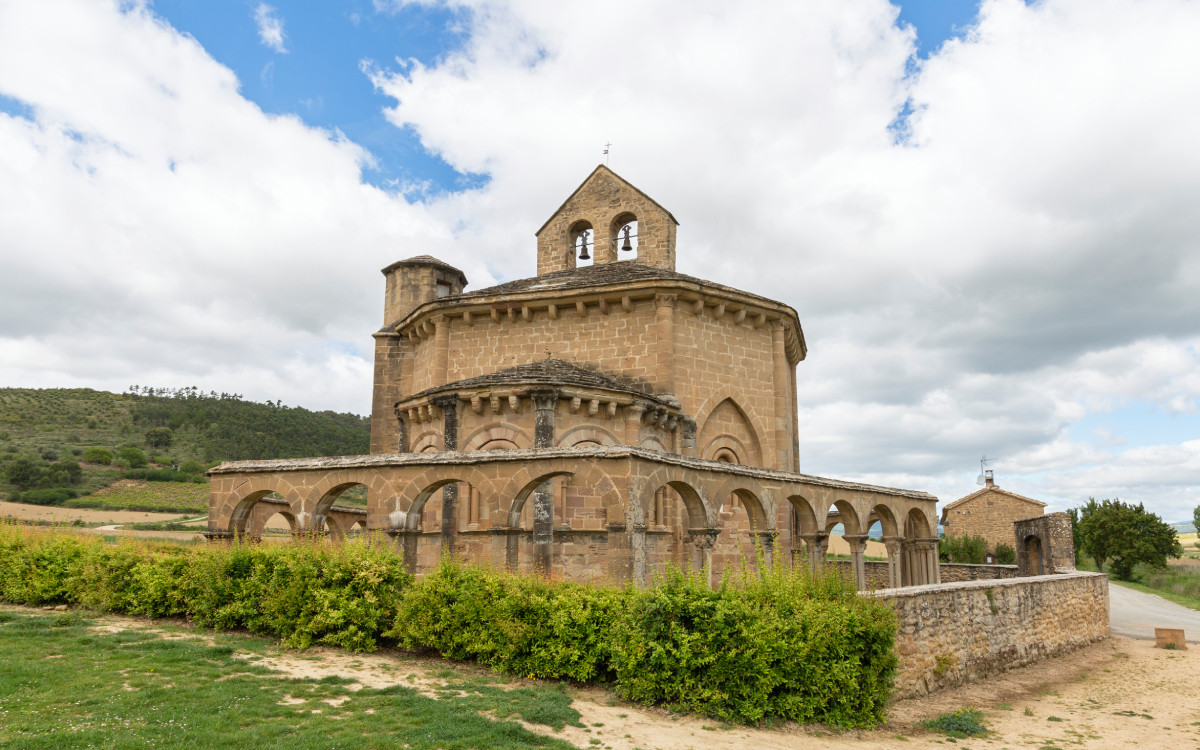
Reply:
x=457, y=458
x=913, y=591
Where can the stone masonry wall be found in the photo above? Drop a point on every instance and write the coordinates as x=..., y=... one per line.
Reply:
x=991, y=516
x=952, y=633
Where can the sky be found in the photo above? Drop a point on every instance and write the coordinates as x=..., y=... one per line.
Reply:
x=983, y=212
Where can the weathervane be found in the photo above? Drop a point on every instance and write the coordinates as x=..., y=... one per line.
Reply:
x=606, y=147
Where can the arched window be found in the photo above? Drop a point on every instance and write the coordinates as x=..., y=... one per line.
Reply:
x=624, y=236
x=582, y=243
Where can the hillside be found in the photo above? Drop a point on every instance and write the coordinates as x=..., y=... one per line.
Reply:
x=172, y=426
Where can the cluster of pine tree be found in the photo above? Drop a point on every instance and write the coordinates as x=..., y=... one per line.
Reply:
x=230, y=428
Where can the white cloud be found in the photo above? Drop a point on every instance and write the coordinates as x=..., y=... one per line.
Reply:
x=270, y=28
x=1027, y=258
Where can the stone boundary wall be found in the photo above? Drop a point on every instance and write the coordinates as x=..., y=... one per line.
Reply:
x=952, y=633
x=959, y=572
x=877, y=572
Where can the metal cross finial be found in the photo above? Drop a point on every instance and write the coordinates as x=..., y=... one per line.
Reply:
x=606, y=147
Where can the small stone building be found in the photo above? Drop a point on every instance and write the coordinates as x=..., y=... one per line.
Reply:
x=604, y=418
x=989, y=513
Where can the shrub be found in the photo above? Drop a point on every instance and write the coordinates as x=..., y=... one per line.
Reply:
x=192, y=467
x=55, y=496
x=965, y=722
x=49, y=454
x=159, y=437
x=963, y=549
x=1005, y=555
x=23, y=472
x=64, y=472
x=97, y=455
x=775, y=645
x=135, y=458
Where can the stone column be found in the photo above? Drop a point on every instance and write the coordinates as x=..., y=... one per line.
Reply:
x=637, y=542
x=858, y=548
x=783, y=440
x=895, y=548
x=441, y=350
x=767, y=540
x=544, y=402
x=402, y=428
x=816, y=544
x=449, y=406
x=633, y=422
x=704, y=539
x=929, y=553
x=405, y=542
x=664, y=371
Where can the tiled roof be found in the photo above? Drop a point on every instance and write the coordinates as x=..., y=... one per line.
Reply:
x=599, y=274
x=979, y=493
x=549, y=372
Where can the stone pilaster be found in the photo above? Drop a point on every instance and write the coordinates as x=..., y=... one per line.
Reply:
x=633, y=423
x=544, y=402
x=782, y=437
x=664, y=371
x=449, y=406
x=441, y=350
x=402, y=430
x=688, y=427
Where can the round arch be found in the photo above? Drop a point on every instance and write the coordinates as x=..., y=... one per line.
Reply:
x=493, y=431
x=586, y=433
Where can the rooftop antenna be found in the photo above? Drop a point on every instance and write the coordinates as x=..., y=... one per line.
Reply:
x=983, y=470
x=606, y=147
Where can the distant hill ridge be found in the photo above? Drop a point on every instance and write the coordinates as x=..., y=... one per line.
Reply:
x=205, y=427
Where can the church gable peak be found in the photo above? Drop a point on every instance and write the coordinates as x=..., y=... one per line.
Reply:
x=607, y=220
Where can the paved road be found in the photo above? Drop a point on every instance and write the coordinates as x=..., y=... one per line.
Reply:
x=1136, y=615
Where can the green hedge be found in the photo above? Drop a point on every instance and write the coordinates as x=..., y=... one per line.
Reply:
x=52, y=496
x=771, y=645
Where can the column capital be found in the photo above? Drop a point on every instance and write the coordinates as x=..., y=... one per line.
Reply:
x=665, y=300
x=704, y=538
x=545, y=399
x=445, y=402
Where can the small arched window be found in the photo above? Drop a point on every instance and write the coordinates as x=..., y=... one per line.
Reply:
x=582, y=243
x=624, y=236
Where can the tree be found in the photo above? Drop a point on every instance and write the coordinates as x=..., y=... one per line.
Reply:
x=159, y=437
x=23, y=472
x=134, y=457
x=1196, y=519
x=1005, y=554
x=97, y=455
x=1126, y=535
x=963, y=549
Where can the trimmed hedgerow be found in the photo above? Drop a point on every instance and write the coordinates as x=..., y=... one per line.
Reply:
x=769, y=645
x=303, y=594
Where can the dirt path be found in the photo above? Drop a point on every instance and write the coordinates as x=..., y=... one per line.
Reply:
x=88, y=515
x=1117, y=694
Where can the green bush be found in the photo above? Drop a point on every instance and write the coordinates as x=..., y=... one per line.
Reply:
x=159, y=437
x=192, y=467
x=769, y=646
x=97, y=455
x=963, y=723
x=135, y=458
x=1005, y=555
x=55, y=496
x=63, y=472
x=963, y=549
x=49, y=454
x=23, y=472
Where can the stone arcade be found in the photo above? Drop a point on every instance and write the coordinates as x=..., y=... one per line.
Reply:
x=593, y=421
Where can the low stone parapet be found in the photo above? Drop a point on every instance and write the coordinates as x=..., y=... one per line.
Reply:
x=952, y=633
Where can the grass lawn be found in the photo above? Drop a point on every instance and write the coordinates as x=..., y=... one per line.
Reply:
x=65, y=684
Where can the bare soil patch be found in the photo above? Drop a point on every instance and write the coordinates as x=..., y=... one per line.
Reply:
x=88, y=515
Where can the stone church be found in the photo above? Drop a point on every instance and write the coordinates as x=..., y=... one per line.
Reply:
x=600, y=420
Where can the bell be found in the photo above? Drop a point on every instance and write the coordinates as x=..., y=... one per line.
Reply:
x=583, y=253
x=627, y=246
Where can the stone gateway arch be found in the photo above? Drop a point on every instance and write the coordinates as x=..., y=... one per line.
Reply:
x=593, y=421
